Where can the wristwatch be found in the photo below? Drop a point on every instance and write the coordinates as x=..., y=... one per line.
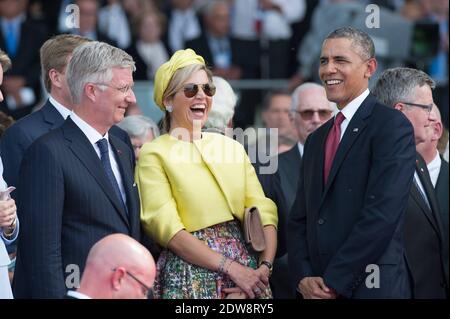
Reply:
x=268, y=264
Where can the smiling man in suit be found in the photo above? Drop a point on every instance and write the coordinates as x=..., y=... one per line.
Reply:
x=76, y=184
x=347, y=220
x=55, y=55
x=409, y=91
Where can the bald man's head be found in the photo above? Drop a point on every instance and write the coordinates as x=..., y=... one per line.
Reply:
x=118, y=267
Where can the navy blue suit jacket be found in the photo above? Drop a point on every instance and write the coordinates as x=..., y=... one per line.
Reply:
x=66, y=204
x=18, y=138
x=337, y=230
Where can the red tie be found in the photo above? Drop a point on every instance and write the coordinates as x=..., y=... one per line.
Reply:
x=331, y=145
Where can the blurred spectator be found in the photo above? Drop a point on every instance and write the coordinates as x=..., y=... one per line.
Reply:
x=222, y=52
x=183, y=24
x=88, y=22
x=438, y=68
x=5, y=122
x=222, y=109
x=113, y=22
x=148, y=51
x=21, y=38
x=275, y=114
x=141, y=130
x=9, y=226
x=268, y=21
x=117, y=267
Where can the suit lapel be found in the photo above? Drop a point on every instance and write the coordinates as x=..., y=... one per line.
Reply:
x=51, y=116
x=126, y=173
x=432, y=215
x=355, y=127
x=83, y=150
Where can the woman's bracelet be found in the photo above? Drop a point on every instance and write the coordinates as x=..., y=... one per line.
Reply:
x=222, y=264
x=228, y=266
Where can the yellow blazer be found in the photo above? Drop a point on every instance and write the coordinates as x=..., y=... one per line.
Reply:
x=192, y=186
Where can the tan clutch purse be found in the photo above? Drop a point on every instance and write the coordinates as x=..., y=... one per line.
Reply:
x=253, y=229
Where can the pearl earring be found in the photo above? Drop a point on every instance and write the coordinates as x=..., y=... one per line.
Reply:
x=169, y=108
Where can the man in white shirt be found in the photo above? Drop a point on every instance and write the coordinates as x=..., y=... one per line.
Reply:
x=353, y=188
x=76, y=183
x=410, y=91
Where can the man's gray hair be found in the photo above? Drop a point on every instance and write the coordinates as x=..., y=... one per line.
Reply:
x=398, y=84
x=223, y=104
x=361, y=41
x=208, y=8
x=299, y=89
x=93, y=62
x=139, y=126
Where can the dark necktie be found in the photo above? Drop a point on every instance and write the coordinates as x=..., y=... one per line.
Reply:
x=104, y=157
x=331, y=145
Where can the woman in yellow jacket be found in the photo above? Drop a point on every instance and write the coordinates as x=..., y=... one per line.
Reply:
x=194, y=188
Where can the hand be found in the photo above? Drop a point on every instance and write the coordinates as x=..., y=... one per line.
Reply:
x=315, y=288
x=264, y=274
x=248, y=279
x=7, y=213
x=234, y=293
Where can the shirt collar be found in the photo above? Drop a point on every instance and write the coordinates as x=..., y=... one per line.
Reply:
x=300, y=148
x=77, y=295
x=91, y=133
x=64, y=111
x=434, y=167
x=350, y=109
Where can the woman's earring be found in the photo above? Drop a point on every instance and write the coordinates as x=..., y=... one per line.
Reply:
x=169, y=108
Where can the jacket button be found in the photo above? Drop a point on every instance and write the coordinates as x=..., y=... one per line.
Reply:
x=321, y=221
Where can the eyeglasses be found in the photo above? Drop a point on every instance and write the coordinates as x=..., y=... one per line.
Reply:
x=190, y=90
x=308, y=114
x=146, y=290
x=124, y=89
x=427, y=107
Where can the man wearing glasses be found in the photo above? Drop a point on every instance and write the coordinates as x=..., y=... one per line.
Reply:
x=409, y=91
x=117, y=267
x=76, y=183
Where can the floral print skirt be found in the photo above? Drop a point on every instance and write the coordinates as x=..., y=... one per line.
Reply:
x=178, y=279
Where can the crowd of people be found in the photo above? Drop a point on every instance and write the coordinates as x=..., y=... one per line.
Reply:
x=110, y=205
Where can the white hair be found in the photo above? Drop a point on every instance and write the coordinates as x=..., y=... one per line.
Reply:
x=139, y=126
x=93, y=62
x=223, y=104
x=303, y=87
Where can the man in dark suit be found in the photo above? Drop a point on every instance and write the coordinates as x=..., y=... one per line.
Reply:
x=409, y=91
x=345, y=229
x=76, y=184
x=55, y=55
x=309, y=109
x=21, y=37
x=438, y=169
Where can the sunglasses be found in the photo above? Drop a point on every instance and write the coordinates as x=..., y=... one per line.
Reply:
x=308, y=114
x=190, y=90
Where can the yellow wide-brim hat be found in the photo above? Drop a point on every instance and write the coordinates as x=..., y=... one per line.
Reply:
x=179, y=60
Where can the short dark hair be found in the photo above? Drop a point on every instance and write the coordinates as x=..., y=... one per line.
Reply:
x=361, y=41
x=269, y=96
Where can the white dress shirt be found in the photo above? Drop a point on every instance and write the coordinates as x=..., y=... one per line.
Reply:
x=434, y=168
x=64, y=111
x=77, y=295
x=94, y=136
x=350, y=109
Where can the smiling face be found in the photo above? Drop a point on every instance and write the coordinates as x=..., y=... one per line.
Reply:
x=111, y=100
x=344, y=73
x=187, y=110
